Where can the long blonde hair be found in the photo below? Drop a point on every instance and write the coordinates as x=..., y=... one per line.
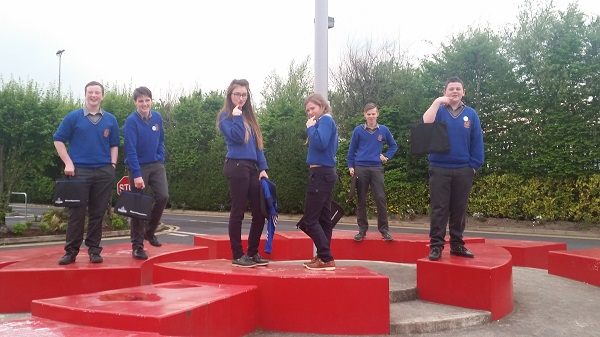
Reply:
x=250, y=120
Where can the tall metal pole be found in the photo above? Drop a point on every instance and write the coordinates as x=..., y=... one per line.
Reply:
x=321, y=65
x=59, y=54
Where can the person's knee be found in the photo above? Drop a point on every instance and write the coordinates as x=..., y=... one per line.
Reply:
x=161, y=198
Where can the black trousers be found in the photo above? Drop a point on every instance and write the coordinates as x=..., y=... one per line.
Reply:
x=155, y=177
x=449, y=191
x=242, y=176
x=370, y=176
x=99, y=186
x=317, y=209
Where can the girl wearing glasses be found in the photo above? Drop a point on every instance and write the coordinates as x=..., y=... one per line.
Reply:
x=245, y=164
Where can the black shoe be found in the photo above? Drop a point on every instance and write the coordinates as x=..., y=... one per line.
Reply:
x=68, y=258
x=461, y=251
x=139, y=254
x=360, y=236
x=386, y=236
x=435, y=253
x=244, y=262
x=153, y=240
x=259, y=260
x=96, y=258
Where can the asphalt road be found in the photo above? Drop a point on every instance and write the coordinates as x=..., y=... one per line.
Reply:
x=182, y=227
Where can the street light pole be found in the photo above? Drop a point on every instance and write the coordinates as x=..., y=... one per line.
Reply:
x=322, y=24
x=59, y=54
x=321, y=66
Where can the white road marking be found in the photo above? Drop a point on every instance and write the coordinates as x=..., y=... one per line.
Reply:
x=188, y=233
x=176, y=234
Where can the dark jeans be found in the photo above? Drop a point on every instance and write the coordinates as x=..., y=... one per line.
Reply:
x=449, y=191
x=155, y=177
x=99, y=186
x=242, y=176
x=370, y=176
x=317, y=209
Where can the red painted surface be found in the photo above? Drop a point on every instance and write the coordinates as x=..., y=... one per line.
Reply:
x=180, y=308
x=484, y=282
x=287, y=295
x=287, y=246
x=8, y=257
x=296, y=245
x=294, y=299
x=169, y=253
x=581, y=265
x=218, y=245
x=40, y=276
x=405, y=248
x=532, y=254
x=37, y=327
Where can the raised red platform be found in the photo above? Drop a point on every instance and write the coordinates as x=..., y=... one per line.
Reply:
x=8, y=257
x=581, y=265
x=483, y=282
x=181, y=308
x=41, y=327
x=218, y=245
x=296, y=245
x=40, y=276
x=287, y=245
x=532, y=254
x=294, y=299
x=405, y=248
x=287, y=295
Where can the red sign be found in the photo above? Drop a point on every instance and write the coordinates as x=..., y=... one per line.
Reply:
x=123, y=185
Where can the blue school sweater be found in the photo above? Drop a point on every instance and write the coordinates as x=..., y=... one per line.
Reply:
x=234, y=131
x=466, y=140
x=322, y=142
x=89, y=143
x=365, y=147
x=144, y=142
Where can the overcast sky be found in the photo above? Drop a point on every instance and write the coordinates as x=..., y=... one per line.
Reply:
x=176, y=46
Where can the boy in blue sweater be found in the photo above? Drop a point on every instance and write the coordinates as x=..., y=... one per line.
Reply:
x=451, y=174
x=144, y=143
x=365, y=163
x=93, y=137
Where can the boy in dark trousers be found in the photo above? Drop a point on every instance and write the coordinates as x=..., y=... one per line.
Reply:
x=365, y=163
x=144, y=143
x=451, y=174
x=93, y=138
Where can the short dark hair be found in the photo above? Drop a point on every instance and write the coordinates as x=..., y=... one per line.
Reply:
x=94, y=83
x=454, y=79
x=141, y=91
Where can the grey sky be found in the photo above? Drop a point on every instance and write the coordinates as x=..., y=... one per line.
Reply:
x=176, y=46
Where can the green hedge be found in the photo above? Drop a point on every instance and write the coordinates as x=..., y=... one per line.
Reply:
x=550, y=199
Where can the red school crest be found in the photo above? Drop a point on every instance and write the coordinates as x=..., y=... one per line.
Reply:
x=380, y=138
x=467, y=122
x=106, y=133
x=155, y=127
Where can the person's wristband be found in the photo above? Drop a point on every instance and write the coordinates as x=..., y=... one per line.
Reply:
x=114, y=165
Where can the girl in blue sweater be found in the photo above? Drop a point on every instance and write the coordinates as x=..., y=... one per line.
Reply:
x=322, y=147
x=245, y=164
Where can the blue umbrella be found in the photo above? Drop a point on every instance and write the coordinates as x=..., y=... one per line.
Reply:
x=269, y=210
